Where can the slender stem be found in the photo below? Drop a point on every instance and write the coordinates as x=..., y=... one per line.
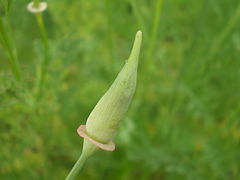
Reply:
x=138, y=16
x=153, y=37
x=1, y=7
x=44, y=64
x=8, y=5
x=7, y=44
x=231, y=23
x=36, y=2
x=76, y=168
x=155, y=28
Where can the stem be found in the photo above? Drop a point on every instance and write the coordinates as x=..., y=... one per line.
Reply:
x=8, y=5
x=7, y=44
x=231, y=23
x=76, y=168
x=154, y=29
x=153, y=37
x=43, y=66
x=138, y=16
x=36, y=2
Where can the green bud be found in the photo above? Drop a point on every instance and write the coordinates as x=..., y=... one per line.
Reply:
x=103, y=122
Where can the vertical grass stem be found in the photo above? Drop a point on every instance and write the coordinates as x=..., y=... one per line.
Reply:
x=44, y=64
x=7, y=44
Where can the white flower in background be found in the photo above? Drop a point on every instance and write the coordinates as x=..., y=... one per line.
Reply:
x=36, y=8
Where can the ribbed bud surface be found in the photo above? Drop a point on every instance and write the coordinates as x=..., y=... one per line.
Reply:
x=103, y=122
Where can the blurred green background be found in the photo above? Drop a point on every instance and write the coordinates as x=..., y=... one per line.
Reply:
x=183, y=122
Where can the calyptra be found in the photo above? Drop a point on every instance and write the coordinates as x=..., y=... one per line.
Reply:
x=104, y=120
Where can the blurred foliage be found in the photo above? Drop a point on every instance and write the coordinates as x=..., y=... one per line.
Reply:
x=184, y=119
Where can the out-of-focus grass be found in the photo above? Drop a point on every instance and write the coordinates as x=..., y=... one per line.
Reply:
x=184, y=119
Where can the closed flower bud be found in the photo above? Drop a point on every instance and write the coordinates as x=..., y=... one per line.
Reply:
x=104, y=120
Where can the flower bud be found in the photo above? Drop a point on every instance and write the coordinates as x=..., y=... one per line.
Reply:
x=103, y=122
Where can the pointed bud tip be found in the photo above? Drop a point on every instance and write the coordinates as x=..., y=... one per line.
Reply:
x=139, y=34
x=136, y=46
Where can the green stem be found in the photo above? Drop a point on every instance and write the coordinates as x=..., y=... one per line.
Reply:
x=76, y=168
x=153, y=38
x=8, y=5
x=231, y=23
x=138, y=16
x=44, y=64
x=36, y=2
x=155, y=26
x=7, y=44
